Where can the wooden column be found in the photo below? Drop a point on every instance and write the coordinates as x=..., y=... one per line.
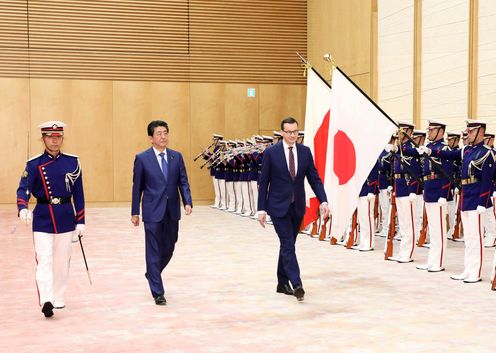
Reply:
x=417, y=63
x=473, y=55
x=374, y=51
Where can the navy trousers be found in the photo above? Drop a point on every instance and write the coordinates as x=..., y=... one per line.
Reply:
x=287, y=228
x=160, y=241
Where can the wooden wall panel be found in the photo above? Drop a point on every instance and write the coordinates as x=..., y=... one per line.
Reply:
x=86, y=108
x=363, y=81
x=280, y=101
x=241, y=111
x=170, y=102
x=132, y=112
x=247, y=40
x=177, y=40
x=14, y=117
x=342, y=28
x=91, y=134
x=208, y=116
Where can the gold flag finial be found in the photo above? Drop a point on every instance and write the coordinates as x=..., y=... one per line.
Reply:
x=306, y=67
x=330, y=64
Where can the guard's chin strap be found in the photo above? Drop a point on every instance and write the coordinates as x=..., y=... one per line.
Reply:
x=477, y=134
x=437, y=134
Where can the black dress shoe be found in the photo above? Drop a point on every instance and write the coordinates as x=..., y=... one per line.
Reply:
x=160, y=300
x=299, y=293
x=285, y=289
x=47, y=309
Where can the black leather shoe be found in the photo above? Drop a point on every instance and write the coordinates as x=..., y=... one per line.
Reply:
x=160, y=300
x=299, y=293
x=47, y=309
x=285, y=289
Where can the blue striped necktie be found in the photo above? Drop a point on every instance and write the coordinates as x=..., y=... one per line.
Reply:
x=164, y=165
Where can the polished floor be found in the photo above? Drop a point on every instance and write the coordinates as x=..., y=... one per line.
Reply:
x=220, y=288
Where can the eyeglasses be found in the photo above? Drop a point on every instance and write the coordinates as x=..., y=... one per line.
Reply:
x=293, y=133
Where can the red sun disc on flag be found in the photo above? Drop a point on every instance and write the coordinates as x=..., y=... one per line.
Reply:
x=344, y=157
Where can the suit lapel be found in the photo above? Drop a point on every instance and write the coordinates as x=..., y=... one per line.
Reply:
x=299, y=151
x=282, y=158
x=170, y=160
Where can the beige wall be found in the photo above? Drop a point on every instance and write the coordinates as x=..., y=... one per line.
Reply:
x=343, y=29
x=107, y=124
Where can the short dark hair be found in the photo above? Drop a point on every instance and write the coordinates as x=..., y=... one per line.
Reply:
x=288, y=120
x=154, y=124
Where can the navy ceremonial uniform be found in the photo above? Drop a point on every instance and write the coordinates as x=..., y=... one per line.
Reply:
x=454, y=195
x=56, y=183
x=476, y=178
x=53, y=181
x=437, y=188
x=407, y=173
x=385, y=185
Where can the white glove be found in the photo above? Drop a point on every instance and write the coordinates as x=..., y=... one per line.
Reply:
x=481, y=209
x=457, y=191
x=424, y=150
x=494, y=193
x=388, y=148
x=412, y=197
x=442, y=201
x=389, y=188
x=25, y=215
x=80, y=228
x=370, y=196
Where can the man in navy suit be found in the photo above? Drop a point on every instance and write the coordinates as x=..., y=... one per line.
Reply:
x=282, y=195
x=159, y=176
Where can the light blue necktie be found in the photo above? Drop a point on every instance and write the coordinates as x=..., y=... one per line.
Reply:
x=164, y=165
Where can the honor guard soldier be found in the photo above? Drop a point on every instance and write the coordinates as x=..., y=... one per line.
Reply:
x=437, y=187
x=230, y=166
x=477, y=171
x=406, y=187
x=220, y=175
x=454, y=196
x=490, y=221
x=385, y=188
x=217, y=191
x=54, y=178
x=247, y=175
x=256, y=166
x=239, y=161
x=418, y=137
x=277, y=137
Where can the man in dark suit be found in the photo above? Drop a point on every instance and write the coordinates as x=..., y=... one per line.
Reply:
x=282, y=195
x=159, y=176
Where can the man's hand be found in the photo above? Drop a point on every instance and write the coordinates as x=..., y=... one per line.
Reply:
x=389, y=190
x=25, y=216
x=135, y=220
x=412, y=197
x=261, y=218
x=370, y=196
x=188, y=209
x=424, y=150
x=481, y=209
x=325, y=210
x=442, y=202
